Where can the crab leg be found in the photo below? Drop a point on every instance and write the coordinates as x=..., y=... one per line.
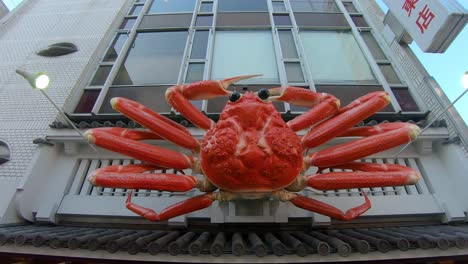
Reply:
x=190, y=205
x=363, y=107
x=323, y=105
x=364, y=147
x=328, y=210
x=138, y=150
x=157, y=123
x=367, y=175
x=178, y=96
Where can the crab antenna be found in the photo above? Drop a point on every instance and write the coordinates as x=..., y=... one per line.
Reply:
x=227, y=82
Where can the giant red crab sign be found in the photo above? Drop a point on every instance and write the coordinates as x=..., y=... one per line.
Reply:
x=251, y=153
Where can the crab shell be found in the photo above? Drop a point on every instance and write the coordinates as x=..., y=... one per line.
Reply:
x=251, y=149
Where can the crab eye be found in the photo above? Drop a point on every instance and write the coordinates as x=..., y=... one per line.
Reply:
x=263, y=94
x=234, y=96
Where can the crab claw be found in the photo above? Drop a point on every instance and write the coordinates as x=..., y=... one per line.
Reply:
x=298, y=96
x=209, y=89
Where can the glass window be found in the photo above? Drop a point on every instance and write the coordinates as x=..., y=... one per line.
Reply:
x=350, y=7
x=359, y=21
x=155, y=57
x=390, y=74
x=136, y=10
x=87, y=100
x=244, y=52
x=4, y=152
x=195, y=72
x=282, y=20
x=373, y=46
x=294, y=72
x=166, y=21
x=200, y=44
x=216, y=105
x=101, y=75
x=242, y=5
x=204, y=21
x=127, y=23
x=320, y=20
x=242, y=19
x=206, y=7
x=149, y=96
x=321, y=6
x=278, y=7
x=115, y=50
x=172, y=6
x=330, y=54
x=288, y=47
x=405, y=100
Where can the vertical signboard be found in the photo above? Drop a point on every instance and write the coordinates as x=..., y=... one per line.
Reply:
x=433, y=24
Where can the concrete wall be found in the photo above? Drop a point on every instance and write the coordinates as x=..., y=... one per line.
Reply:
x=25, y=114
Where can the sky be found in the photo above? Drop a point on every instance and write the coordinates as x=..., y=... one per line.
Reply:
x=447, y=68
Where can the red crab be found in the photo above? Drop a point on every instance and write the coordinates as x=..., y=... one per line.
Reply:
x=251, y=153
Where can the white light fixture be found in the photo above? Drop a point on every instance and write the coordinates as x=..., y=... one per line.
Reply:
x=38, y=80
x=464, y=81
x=41, y=81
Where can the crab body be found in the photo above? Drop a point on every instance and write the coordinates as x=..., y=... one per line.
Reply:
x=251, y=149
x=251, y=153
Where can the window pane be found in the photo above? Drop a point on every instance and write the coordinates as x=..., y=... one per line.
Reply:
x=390, y=74
x=115, y=50
x=242, y=19
x=330, y=55
x=136, y=10
x=348, y=93
x=322, y=6
x=155, y=57
x=321, y=20
x=206, y=7
x=127, y=23
x=101, y=75
x=242, y=5
x=294, y=72
x=282, y=20
x=359, y=21
x=244, y=52
x=166, y=21
x=217, y=104
x=172, y=6
x=288, y=47
x=195, y=72
x=200, y=43
x=204, y=21
x=149, y=96
x=350, y=8
x=405, y=99
x=86, y=103
x=373, y=46
x=278, y=7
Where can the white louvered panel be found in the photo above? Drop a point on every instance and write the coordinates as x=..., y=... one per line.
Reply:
x=411, y=189
x=87, y=187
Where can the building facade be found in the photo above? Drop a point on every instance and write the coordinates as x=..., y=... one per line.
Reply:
x=137, y=49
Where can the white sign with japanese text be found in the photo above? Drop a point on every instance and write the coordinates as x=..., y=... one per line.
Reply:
x=433, y=24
